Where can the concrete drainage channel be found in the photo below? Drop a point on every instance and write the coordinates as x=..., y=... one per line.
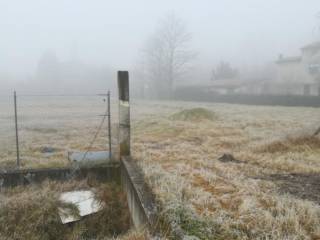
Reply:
x=125, y=173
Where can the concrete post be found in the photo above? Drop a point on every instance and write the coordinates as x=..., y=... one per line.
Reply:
x=124, y=113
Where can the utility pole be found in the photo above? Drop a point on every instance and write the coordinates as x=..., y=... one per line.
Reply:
x=109, y=126
x=16, y=126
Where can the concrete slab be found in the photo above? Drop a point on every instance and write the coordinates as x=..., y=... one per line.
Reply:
x=85, y=202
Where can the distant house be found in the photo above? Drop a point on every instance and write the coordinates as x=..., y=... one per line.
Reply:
x=298, y=75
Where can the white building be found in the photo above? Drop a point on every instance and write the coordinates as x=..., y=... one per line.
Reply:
x=298, y=75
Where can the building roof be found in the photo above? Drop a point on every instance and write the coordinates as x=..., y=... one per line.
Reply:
x=288, y=60
x=314, y=45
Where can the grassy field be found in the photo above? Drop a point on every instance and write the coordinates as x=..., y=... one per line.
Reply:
x=265, y=186
x=63, y=124
x=221, y=171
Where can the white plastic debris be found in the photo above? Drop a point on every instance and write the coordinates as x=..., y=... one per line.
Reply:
x=90, y=158
x=85, y=202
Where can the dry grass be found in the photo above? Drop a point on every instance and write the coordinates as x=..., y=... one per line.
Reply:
x=194, y=114
x=65, y=123
x=215, y=200
x=207, y=198
x=135, y=235
x=31, y=213
x=293, y=144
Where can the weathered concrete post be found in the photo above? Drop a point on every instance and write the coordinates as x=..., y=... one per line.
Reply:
x=141, y=202
x=124, y=113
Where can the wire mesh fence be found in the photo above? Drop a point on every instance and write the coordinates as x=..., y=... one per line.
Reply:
x=50, y=127
x=7, y=132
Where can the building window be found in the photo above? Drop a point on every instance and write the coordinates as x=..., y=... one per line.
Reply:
x=314, y=69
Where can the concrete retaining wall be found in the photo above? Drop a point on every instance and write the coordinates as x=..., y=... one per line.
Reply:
x=14, y=178
x=141, y=201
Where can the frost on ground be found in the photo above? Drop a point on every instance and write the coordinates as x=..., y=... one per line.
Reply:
x=50, y=127
x=255, y=195
x=249, y=197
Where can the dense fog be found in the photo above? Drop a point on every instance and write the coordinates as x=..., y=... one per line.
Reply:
x=77, y=46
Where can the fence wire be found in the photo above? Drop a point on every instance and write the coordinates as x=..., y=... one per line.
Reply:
x=51, y=127
x=7, y=132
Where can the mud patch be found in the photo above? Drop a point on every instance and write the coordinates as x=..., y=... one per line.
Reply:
x=304, y=186
x=226, y=158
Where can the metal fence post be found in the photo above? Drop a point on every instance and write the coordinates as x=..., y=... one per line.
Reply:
x=16, y=127
x=124, y=113
x=109, y=126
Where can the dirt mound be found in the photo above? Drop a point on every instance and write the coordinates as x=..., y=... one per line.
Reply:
x=194, y=114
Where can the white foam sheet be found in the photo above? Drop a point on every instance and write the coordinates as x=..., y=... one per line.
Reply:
x=84, y=200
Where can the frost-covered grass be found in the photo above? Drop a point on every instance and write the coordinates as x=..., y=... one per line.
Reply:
x=208, y=198
x=65, y=124
x=218, y=200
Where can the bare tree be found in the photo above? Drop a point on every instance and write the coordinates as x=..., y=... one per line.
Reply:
x=167, y=55
x=224, y=71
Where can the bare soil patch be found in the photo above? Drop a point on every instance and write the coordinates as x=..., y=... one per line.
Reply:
x=227, y=157
x=301, y=185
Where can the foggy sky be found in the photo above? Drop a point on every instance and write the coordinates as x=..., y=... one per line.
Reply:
x=113, y=32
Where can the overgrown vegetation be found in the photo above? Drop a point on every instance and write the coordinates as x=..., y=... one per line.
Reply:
x=32, y=213
x=193, y=226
